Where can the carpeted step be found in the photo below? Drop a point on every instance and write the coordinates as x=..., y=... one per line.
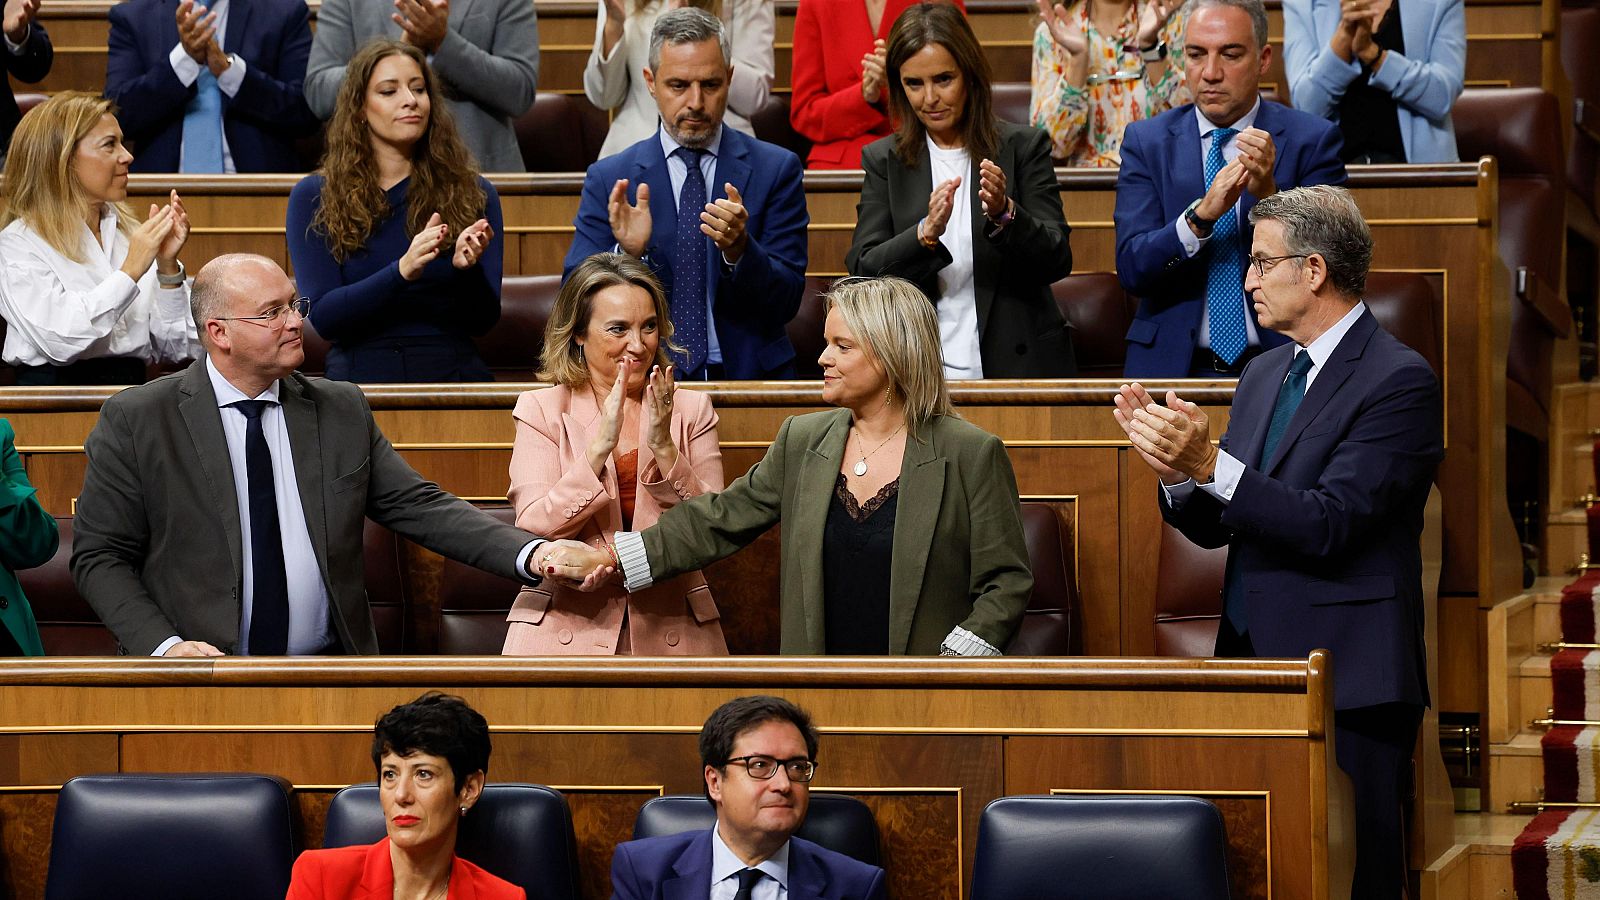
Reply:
x=1578, y=607
x=1557, y=857
x=1575, y=685
x=1571, y=764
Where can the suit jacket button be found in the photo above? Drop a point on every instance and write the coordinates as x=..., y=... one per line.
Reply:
x=672, y=637
x=5, y=603
x=678, y=484
x=564, y=636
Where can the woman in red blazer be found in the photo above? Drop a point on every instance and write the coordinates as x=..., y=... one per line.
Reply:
x=832, y=42
x=431, y=755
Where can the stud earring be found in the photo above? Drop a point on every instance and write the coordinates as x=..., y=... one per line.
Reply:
x=463, y=811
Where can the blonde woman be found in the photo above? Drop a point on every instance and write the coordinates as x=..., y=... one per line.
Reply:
x=91, y=294
x=396, y=239
x=614, y=76
x=902, y=530
x=611, y=446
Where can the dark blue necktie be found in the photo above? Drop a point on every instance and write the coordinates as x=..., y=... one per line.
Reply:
x=269, y=606
x=1225, y=275
x=689, y=267
x=747, y=883
x=1290, y=394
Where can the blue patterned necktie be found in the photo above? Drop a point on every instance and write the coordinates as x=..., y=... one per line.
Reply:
x=1290, y=394
x=202, y=122
x=689, y=267
x=269, y=593
x=1225, y=276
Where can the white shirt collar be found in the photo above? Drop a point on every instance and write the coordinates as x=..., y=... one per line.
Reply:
x=668, y=145
x=1323, y=347
x=1248, y=120
x=724, y=864
x=227, y=393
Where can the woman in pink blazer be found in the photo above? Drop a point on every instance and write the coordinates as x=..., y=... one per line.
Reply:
x=611, y=446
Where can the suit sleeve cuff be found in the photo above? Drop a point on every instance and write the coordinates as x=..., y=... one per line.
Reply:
x=232, y=78
x=1191, y=243
x=164, y=646
x=17, y=49
x=961, y=642
x=183, y=65
x=1225, y=480
x=635, y=562
x=525, y=554
x=1178, y=494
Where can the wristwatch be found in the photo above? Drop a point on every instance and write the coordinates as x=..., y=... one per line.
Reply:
x=1154, y=54
x=1202, y=227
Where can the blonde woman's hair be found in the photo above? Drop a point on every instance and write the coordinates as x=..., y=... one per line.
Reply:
x=562, y=360
x=40, y=187
x=897, y=326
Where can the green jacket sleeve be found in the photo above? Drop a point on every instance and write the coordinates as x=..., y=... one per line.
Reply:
x=28, y=535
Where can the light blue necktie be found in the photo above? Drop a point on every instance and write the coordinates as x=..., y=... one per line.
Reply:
x=1225, y=277
x=202, y=123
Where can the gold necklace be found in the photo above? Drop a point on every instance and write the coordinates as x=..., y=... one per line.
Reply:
x=861, y=465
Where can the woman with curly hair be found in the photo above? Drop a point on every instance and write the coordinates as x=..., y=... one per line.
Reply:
x=396, y=239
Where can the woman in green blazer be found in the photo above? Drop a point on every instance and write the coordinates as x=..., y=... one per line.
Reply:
x=27, y=539
x=902, y=531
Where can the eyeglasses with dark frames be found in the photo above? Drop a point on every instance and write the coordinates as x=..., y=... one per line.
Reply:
x=301, y=307
x=761, y=768
x=1263, y=263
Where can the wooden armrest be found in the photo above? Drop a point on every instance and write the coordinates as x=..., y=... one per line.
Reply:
x=1545, y=301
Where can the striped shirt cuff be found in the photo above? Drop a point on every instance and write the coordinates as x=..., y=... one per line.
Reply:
x=635, y=563
x=962, y=642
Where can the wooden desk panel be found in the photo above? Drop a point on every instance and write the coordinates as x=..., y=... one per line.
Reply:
x=925, y=743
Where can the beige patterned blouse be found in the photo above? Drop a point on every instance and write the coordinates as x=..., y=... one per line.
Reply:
x=1085, y=124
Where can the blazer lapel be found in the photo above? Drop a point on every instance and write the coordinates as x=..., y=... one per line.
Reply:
x=199, y=410
x=1334, y=374
x=917, y=514
x=1254, y=416
x=693, y=870
x=1269, y=121
x=650, y=167
x=733, y=167
x=305, y=447
x=1188, y=170
x=813, y=492
x=986, y=260
x=580, y=422
x=807, y=877
x=238, y=25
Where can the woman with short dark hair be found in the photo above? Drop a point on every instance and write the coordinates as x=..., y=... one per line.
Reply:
x=431, y=755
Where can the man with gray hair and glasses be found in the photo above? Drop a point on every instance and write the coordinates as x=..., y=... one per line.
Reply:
x=717, y=215
x=1317, y=490
x=222, y=511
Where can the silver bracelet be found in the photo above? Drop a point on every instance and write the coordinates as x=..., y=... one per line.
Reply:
x=172, y=281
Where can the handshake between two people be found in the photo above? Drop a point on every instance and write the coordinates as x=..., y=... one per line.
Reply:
x=575, y=564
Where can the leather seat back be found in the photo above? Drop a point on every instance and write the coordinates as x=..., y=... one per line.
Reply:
x=1188, y=596
x=511, y=348
x=560, y=133
x=839, y=823
x=1052, y=625
x=1099, y=312
x=67, y=624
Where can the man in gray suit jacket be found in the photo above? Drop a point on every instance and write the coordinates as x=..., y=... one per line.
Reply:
x=485, y=51
x=222, y=509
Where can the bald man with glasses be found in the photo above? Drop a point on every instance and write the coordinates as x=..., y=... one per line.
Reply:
x=223, y=507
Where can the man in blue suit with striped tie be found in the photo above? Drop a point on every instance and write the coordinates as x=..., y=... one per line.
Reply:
x=719, y=216
x=1188, y=180
x=1317, y=490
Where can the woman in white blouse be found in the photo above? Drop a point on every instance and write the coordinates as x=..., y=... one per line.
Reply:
x=89, y=295
x=614, y=76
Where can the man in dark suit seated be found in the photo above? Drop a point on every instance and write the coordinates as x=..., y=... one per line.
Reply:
x=759, y=754
x=1188, y=180
x=1318, y=490
x=211, y=88
x=223, y=506
x=719, y=216
x=27, y=57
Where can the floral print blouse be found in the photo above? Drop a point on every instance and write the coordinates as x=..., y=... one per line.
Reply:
x=1085, y=124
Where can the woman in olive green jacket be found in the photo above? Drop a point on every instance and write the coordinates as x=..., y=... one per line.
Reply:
x=902, y=531
x=27, y=539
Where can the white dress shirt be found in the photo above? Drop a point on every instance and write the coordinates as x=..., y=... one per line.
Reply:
x=1225, y=479
x=310, y=630
x=1192, y=242
x=678, y=172
x=957, y=307
x=60, y=311
x=187, y=70
x=725, y=869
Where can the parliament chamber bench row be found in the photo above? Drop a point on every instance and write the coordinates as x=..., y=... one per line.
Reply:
x=1509, y=43
x=176, y=835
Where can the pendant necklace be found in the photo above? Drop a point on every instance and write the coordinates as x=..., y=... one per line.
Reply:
x=861, y=464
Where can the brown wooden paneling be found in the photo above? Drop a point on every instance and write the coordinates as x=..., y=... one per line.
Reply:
x=26, y=818
x=54, y=758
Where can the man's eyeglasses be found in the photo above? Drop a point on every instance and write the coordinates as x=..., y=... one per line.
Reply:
x=1263, y=263
x=300, y=306
x=762, y=768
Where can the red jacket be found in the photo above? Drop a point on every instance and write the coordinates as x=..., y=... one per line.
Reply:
x=830, y=37
x=365, y=873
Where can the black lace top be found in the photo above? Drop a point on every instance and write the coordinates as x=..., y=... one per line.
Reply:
x=857, y=547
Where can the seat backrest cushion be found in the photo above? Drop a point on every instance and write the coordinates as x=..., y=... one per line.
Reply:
x=840, y=823
x=1188, y=596
x=511, y=348
x=1051, y=624
x=1099, y=312
x=67, y=624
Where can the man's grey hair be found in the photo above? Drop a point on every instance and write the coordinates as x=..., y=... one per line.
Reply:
x=687, y=25
x=1255, y=9
x=1324, y=220
x=209, y=295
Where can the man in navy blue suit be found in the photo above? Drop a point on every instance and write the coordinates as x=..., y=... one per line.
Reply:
x=1318, y=490
x=1188, y=180
x=27, y=56
x=759, y=754
x=720, y=217
x=212, y=87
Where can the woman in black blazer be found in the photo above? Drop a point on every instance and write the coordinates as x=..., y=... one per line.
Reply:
x=965, y=206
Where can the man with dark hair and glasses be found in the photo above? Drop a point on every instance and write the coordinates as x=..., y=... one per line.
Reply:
x=223, y=507
x=759, y=755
